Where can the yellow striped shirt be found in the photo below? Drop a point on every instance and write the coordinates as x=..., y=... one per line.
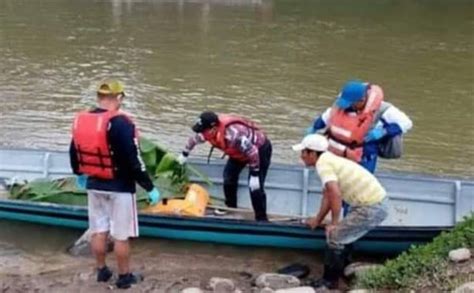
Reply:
x=358, y=186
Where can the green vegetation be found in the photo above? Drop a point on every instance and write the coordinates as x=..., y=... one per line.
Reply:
x=420, y=266
x=167, y=174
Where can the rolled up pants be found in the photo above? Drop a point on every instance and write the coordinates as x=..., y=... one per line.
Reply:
x=232, y=170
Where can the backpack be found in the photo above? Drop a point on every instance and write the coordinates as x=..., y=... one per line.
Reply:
x=391, y=147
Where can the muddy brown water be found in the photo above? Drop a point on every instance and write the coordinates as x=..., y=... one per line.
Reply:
x=278, y=62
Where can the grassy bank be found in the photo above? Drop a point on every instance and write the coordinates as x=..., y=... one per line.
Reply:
x=425, y=266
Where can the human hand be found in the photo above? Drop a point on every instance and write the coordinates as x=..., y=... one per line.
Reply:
x=154, y=196
x=182, y=158
x=254, y=183
x=81, y=181
x=375, y=134
x=313, y=223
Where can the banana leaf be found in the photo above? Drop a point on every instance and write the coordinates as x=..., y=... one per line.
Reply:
x=168, y=175
x=151, y=154
x=61, y=191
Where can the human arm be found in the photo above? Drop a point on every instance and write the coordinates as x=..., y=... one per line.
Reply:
x=330, y=202
x=320, y=122
x=73, y=161
x=333, y=195
x=250, y=150
x=316, y=221
x=125, y=145
x=392, y=122
x=192, y=142
x=395, y=122
x=81, y=179
x=329, y=181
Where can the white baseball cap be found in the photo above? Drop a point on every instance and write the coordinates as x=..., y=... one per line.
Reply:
x=315, y=142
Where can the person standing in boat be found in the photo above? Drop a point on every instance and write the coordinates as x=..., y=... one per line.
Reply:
x=342, y=179
x=245, y=144
x=105, y=156
x=360, y=124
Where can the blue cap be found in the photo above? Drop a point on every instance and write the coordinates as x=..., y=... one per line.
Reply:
x=352, y=92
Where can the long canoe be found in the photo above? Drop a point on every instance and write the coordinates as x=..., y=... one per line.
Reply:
x=420, y=206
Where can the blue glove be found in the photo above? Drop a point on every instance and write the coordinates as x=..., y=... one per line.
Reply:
x=81, y=181
x=308, y=131
x=154, y=196
x=375, y=134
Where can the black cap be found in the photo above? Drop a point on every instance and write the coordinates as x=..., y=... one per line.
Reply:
x=206, y=120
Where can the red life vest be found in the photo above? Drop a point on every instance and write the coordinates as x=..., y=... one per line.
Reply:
x=219, y=141
x=347, y=130
x=89, y=133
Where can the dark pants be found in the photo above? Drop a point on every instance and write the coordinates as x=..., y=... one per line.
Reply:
x=359, y=221
x=232, y=170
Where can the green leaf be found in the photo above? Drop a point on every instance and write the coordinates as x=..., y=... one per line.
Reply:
x=167, y=163
x=428, y=262
x=167, y=174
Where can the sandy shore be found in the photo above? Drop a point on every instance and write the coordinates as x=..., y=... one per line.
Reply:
x=169, y=268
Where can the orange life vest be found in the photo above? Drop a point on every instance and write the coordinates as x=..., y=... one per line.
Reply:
x=347, y=130
x=89, y=133
x=219, y=140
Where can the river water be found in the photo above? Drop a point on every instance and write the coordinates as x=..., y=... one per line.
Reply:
x=278, y=62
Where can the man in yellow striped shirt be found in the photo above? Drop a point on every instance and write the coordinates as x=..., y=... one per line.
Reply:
x=342, y=179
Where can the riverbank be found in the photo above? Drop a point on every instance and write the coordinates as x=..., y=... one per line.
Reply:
x=443, y=264
x=164, y=272
x=35, y=261
x=33, y=258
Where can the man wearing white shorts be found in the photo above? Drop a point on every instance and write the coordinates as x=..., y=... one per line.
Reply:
x=104, y=154
x=113, y=212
